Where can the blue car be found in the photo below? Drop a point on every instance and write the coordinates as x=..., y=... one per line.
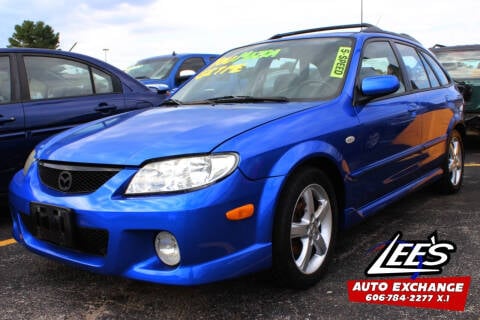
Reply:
x=43, y=92
x=168, y=72
x=256, y=163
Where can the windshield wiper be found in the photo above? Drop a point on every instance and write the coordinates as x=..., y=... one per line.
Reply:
x=246, y=99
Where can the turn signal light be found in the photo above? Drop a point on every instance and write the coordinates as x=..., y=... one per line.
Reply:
x=241, y=213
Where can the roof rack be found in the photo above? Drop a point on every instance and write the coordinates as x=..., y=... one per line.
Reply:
x=345, y=26
x=366, y=27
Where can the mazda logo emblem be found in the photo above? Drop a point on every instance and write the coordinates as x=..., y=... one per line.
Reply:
x=65, y=181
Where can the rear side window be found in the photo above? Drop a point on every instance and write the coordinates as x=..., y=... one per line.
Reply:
x=431, y=75
x=5, y=80
x=50, y=78
x=416, y=73
x=441, y=76
x=103, y=82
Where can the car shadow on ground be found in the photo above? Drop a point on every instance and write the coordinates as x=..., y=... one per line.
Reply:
x=5, y=217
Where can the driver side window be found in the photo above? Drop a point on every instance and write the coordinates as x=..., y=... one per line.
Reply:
x=379, y=59
x=193, y=64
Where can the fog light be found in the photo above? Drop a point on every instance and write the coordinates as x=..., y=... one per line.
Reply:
x=167, y=249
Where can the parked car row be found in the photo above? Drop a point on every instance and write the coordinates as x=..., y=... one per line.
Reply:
x=463, y=64
x=257, y=162
x=43, y=92
x=167, y=73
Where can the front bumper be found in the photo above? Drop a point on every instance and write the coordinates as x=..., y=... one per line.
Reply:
x=212, y=247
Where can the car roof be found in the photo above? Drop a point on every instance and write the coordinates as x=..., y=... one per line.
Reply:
x=129, y=80
x=180, y=55
x=366, y=29
x=68, y=54
x=21, y=49
x=45, y=51
x=442, y=48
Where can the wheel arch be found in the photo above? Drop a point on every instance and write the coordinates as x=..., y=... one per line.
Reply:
x=330, y=168
x=286, y=269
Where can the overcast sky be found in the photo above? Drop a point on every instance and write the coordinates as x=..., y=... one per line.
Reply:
x=132, y=30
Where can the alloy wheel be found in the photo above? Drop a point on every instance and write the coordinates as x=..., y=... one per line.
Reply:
x=311, y=229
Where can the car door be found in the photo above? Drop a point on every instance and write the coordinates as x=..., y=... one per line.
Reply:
x=390, y=137
x=12, y=126
x=60, y=93
x=435, y=103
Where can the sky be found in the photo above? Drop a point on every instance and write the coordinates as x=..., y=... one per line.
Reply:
x=122, y=32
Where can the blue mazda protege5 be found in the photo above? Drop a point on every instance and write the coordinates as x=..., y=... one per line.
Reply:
x=258, y=162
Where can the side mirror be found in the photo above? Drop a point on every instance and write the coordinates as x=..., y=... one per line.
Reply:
x=377, y=86
x=184, y=75
x=159, y=88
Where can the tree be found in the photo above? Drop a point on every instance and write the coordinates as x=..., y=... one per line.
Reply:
x=34, y=35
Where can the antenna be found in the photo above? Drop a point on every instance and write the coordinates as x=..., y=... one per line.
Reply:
x=361, y=11
x=73, y=46
x=105, y=50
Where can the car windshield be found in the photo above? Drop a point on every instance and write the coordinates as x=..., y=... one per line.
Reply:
x=302, y=69
x=155, y=68
x=461, y=64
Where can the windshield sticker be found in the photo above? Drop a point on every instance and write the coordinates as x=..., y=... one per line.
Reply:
x=216, y=70
x=249, y=55
x=340, y=64
x=227, y=64
x=260, y=54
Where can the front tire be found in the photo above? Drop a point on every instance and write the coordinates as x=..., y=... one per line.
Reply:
x=305, y=228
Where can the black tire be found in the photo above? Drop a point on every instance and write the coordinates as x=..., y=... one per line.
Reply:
x=452, y=179
x=303, y=242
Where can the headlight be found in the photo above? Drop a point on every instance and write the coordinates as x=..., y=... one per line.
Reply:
x=182, y=174
x=28, y=163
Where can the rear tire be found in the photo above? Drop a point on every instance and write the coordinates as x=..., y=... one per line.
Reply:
x=305, y=228
x=451, y=181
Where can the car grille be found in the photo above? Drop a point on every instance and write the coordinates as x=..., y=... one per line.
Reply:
x=73, y=179
x=85, y=240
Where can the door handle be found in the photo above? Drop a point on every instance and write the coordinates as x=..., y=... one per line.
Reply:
x=412, y=108
x=105, y=108
x=6, y=120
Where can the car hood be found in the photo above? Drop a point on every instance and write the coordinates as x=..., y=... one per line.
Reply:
x=133, y=138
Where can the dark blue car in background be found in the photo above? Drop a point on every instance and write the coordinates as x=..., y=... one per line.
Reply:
x=43, y=92
x=166, y=73
x=255, y=163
